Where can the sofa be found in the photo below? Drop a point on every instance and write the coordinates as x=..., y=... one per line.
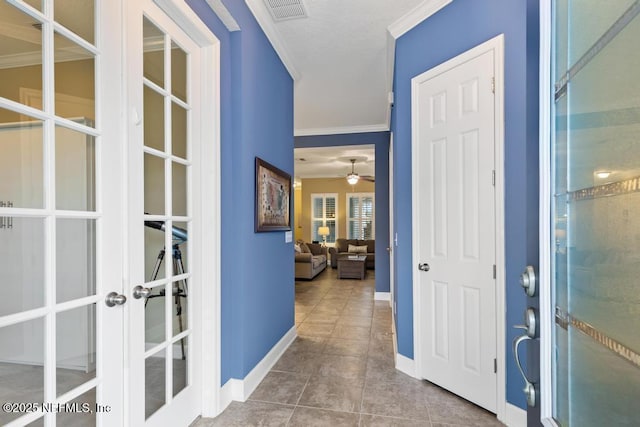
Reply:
x=310, y=260
x=341, y=249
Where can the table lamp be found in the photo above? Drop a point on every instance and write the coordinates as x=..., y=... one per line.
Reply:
x=324, y=232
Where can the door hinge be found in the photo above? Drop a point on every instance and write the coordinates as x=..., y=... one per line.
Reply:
x=493, y=84
x=494, y=271
x=493, y=178
x=495, y=366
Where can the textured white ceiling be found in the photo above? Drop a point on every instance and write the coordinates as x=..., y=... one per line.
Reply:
x=328, y=162
x=340, y=52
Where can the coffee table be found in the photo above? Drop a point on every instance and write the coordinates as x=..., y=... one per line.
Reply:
x=352, y=267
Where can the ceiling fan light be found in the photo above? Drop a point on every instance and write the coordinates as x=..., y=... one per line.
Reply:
x=353, y=178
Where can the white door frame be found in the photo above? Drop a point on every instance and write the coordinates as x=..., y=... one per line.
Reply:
x=391, y=249
x=544, y=277
x=497, y=45
x=209, y=298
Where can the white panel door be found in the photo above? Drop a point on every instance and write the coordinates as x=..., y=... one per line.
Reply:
x=455, y=205
x=164, y=228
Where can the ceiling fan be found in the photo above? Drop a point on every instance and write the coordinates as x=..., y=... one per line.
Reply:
x=353, y=177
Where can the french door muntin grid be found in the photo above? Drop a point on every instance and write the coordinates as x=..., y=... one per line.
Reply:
x=50, y=215
x=167, y=346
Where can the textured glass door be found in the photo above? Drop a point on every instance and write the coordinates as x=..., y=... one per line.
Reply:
x=595, y=212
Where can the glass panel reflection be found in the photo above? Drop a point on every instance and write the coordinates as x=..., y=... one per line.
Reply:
x=179, y=192
x=154, y=253
x=153, y=184
x=22, y=264
x=178, y=71
x=178, y=130
x=153, y=57
x=155, y=382
x=66, y=12
x=75, y=170
x=180, y=312
x=180, y=236
x=75, y=258
x=83, y=412
x=21, y=369
x=75, y=348
x=154, y=316
x=153, y=119
x=75, y=92
x=21, y=162
x=21, y=37
x=180, y=368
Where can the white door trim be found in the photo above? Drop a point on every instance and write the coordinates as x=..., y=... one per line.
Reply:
x=209, y=333
x=544, y=280
x=497, y=45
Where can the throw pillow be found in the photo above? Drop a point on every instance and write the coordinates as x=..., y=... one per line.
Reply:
x=305, y=249
x=358, y=249
x=297, y=248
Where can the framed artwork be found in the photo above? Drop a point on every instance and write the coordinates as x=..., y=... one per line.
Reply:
x=273, y=198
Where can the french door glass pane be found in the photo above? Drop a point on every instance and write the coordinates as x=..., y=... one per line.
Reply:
x=21, y=162
x=21, y=371
x=75, y=259
x=179, y=194
x=22, y=276
x=75, y=347
x=20, y=38
x=595, y=197
x=178, y=130
x=66, y=12
x=153, y=119
x=74, y=80
x=153, y=52
x=178, y=72
x=75, y=170
x=82, y=418
x=155, y=382
x=154, y=188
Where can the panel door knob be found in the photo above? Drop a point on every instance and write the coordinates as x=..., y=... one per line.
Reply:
x=528, y=281
x=423, y=266
x=141, y=292
x=114, y=299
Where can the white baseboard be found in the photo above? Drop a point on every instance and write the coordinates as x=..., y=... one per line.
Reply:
x=405, y=365
x=514, y=416
x=382, y=296
x=240, y=390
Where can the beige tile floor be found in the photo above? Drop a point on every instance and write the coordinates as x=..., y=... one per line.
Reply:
x=340, y=370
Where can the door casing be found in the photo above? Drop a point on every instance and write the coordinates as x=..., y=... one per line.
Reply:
x=497, y=45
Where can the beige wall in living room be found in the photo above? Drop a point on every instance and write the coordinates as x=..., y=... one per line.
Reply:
x=328, y=185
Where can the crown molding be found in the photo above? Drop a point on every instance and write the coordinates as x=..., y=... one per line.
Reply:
x=265, y=21
x=383, y=127
x=223, y=13
x=416, y=16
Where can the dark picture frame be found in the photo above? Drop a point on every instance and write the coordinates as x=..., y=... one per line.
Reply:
x=273, y=198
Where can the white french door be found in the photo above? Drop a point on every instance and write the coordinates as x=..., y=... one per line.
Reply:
x=164, y=150
x=77, y=347
x=60, y=248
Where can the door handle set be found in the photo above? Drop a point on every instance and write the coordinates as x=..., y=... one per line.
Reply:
x=530, y=332
x=528, y=283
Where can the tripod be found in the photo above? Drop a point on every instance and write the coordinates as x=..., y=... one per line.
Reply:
x=179, y=289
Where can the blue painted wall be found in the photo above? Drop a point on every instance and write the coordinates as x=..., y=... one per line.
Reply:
x=257, y=120
x=381, y=142
x=455, y=29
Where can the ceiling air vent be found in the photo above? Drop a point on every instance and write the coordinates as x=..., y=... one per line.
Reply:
x=286, y=9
